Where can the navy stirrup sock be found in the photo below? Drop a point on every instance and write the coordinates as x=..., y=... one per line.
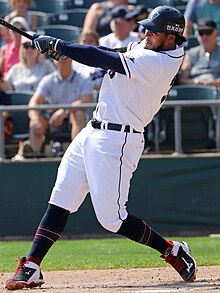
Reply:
x=139, y=231
x=48, y=232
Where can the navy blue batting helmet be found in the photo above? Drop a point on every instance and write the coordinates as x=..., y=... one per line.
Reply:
x=165, y=19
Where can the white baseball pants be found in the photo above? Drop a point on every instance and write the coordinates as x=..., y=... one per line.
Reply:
x=101, y=162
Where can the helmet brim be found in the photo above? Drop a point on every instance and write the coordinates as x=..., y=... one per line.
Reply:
x=149, y=25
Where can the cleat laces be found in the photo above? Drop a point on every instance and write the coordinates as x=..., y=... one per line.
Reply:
x=21, y=265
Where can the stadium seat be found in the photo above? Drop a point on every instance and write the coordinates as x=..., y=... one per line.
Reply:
x=4, y=8
x=181, y=8
x=198, y=123
x=151, y=3
x=71, y=4
x=42, y=17
x=50, y=6
x=73, y=17
x=62, y=134
x=20, y=118
x=180, y=2
x=65, y=32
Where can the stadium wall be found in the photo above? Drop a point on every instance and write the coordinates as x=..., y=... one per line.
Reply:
x=174, y=195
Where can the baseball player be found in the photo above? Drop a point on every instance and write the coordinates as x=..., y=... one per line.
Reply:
x=104, y=155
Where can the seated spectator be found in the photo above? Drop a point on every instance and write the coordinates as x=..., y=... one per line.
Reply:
x=64, y=86
x=4, y=35
x=5, y=100
x=98, y=17
x=200, y=9
x=201, y=64
x=9, y=53
x=122, y=24
x=31, y=68
x=94, y=73
x=20, y=8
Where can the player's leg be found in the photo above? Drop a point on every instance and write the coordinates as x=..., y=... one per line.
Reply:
x=68, y=194
x=175, y=253
x=109, y=187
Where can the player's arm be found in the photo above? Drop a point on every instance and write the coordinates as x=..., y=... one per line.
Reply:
x=88, y=55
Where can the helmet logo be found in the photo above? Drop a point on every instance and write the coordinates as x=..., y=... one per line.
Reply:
x=154, y=15
x=175, y=28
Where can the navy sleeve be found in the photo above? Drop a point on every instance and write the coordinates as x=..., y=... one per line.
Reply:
x=92, y=56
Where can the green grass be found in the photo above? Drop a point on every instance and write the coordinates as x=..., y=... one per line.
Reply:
x=106, y=254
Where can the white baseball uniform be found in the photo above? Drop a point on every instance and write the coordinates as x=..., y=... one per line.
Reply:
x=102, y=161
x=111, y=41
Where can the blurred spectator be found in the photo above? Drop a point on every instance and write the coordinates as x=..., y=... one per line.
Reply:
x=64, y=86
x=5, y=100
x=31, y=68
x=9, y=53
x=99, y=16
x=122, y=24
x=20, y=8
x=4, y=35
x=94, y=73
x=200, y=9
x=201, y=64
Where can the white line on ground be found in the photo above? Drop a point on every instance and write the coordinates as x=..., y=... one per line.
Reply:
x=157, y=291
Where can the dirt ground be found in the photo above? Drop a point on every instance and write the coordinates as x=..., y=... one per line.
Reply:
x=153, y=280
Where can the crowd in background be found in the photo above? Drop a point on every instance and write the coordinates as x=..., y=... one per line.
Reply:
x=111, y=23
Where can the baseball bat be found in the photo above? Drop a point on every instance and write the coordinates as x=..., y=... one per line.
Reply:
x=52, y=54
x=16, y=29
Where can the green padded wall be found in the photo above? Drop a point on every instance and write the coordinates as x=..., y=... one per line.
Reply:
x=172, y=194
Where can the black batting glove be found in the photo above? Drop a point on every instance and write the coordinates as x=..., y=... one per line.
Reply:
x=45, y=43
x=55, y=55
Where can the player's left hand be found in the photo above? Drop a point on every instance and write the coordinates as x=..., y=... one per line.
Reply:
x=55, y=55
x=45, y=43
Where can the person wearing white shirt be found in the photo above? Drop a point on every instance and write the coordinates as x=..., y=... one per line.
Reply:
x=122, y=25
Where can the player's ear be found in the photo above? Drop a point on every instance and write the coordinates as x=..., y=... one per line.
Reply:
x=171, y=38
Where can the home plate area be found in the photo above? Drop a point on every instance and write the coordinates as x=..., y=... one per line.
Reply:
x=144, y=280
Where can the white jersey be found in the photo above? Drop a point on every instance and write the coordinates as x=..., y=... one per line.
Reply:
x=111, y=41
x=135, y=102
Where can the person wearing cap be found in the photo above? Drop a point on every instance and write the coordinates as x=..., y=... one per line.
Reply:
x=103, y=156
x=199, y=9
x=99, y=16
x=21, y=8
x=9, y=53
x=122, y=24
x=201, y=64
